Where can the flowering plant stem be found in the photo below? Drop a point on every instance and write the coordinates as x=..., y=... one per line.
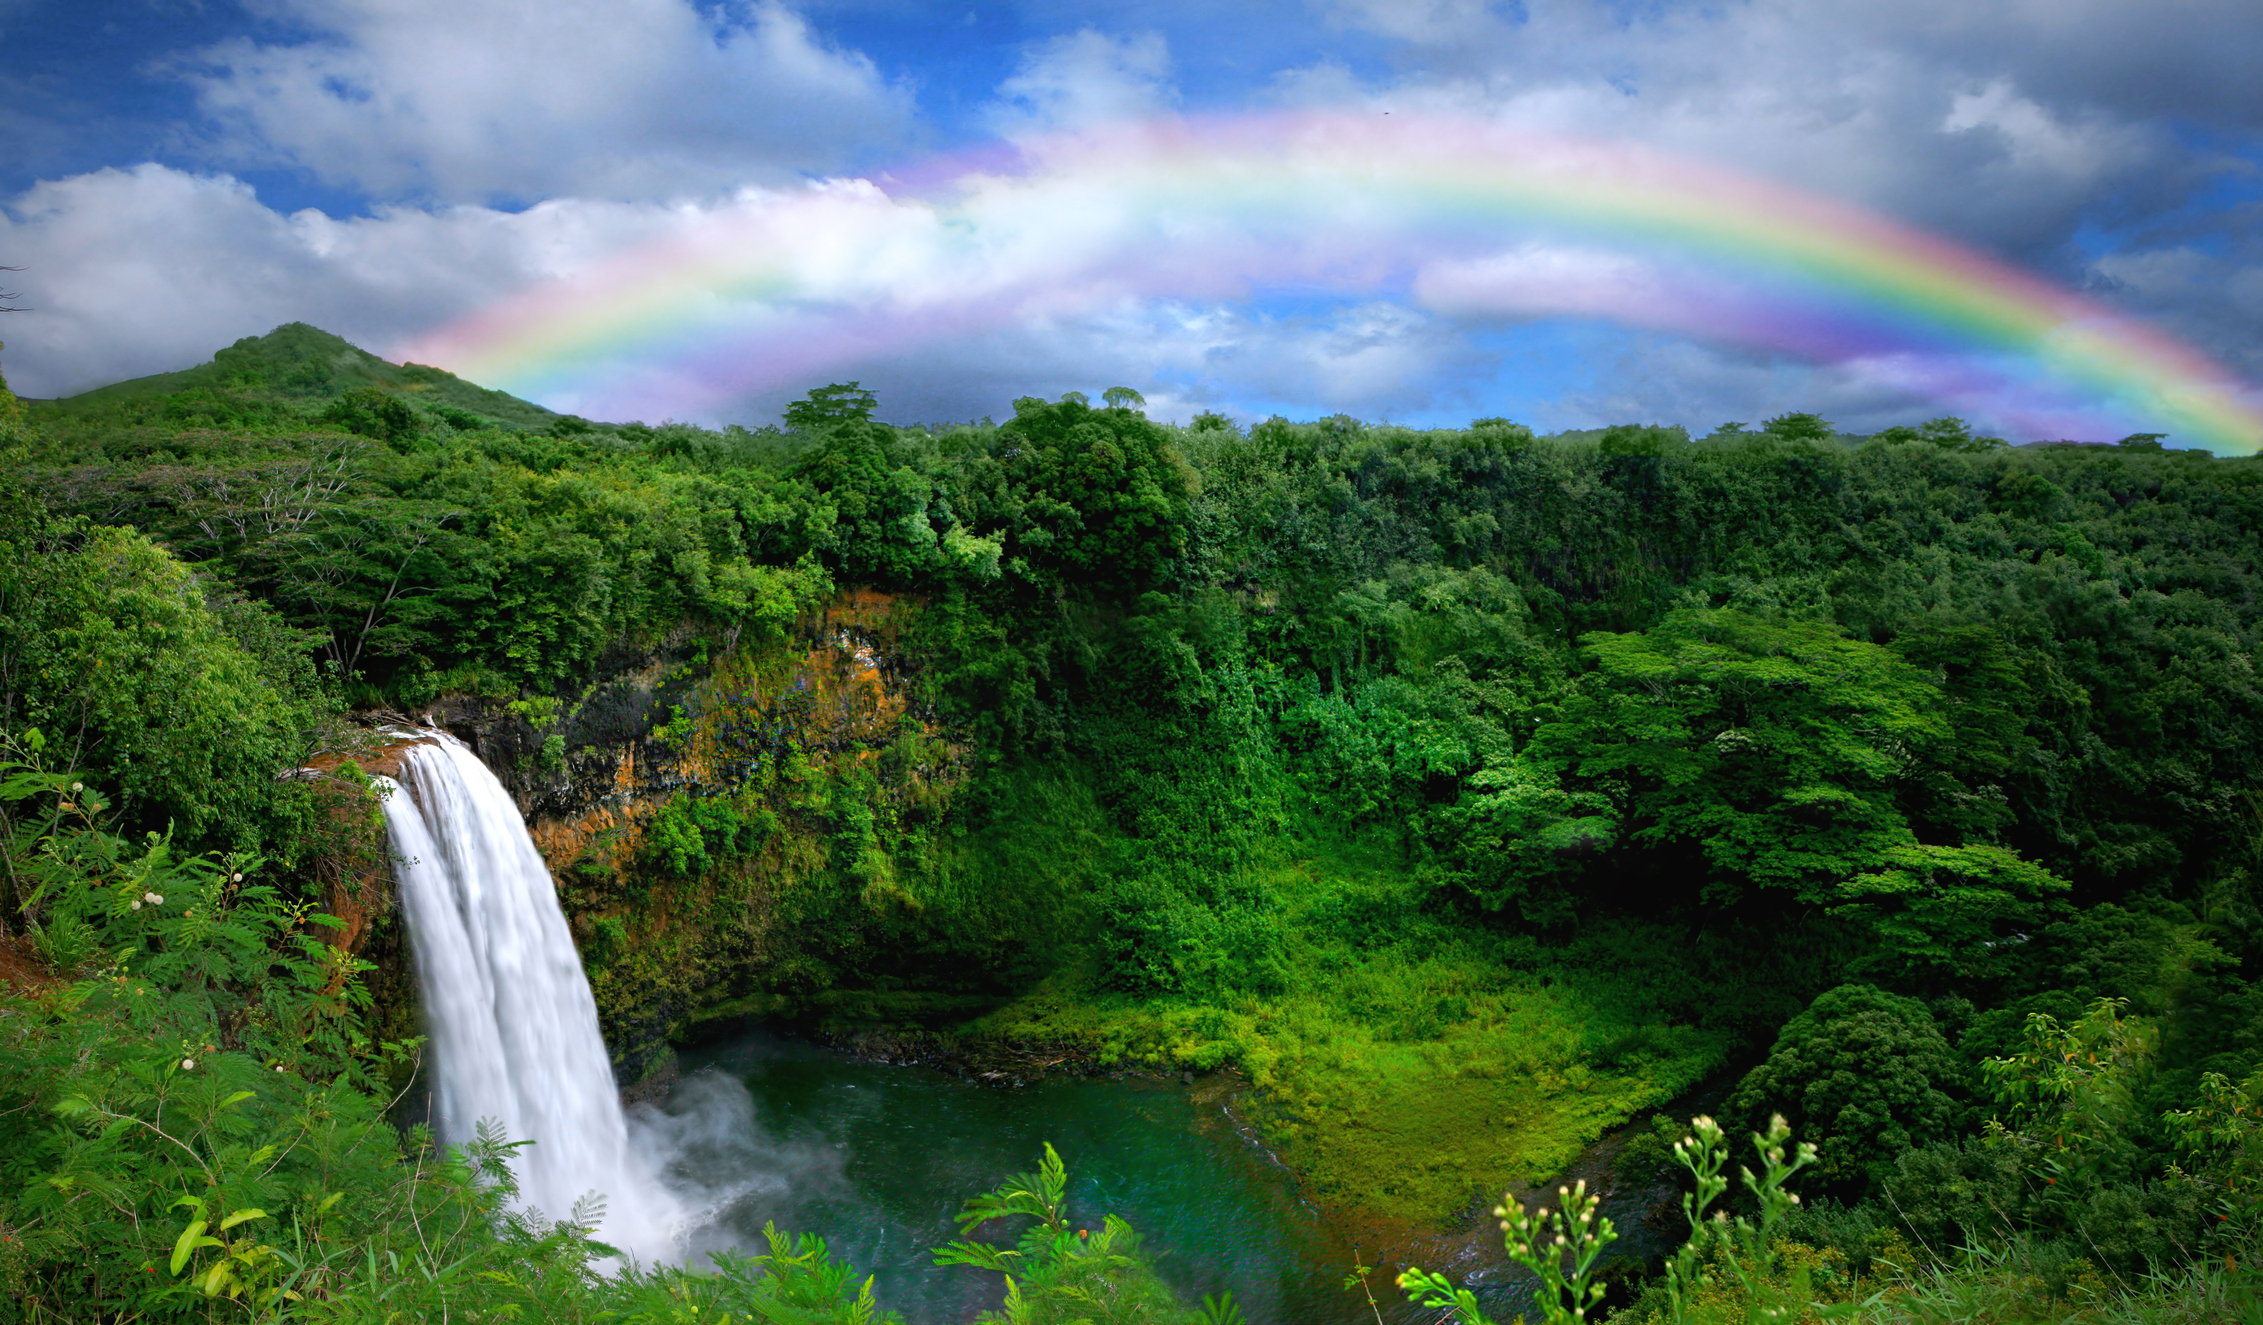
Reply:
x=1741, y=1245
x=1560, y=1246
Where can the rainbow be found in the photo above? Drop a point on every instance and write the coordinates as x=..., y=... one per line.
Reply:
x=1469, y=220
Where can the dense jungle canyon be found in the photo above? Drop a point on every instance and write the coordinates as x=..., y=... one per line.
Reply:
x=1457, y=810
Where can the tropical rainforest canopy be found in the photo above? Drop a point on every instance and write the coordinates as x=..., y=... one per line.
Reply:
x=1473, y=793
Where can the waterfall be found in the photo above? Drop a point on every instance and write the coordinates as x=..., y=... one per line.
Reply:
x=513, y=1026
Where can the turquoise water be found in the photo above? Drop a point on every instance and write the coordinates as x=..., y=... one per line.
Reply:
x=879, y=1158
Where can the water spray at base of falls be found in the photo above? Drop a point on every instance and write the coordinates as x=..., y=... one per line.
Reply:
x=513, y=1024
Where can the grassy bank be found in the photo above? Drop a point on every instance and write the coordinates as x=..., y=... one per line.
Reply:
x=1406, y=1068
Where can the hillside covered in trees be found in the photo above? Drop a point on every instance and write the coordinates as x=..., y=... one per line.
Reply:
x=1474, y=794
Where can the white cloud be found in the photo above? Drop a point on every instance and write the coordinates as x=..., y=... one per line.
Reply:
x=1425, y=22
x=1651, y=378
x=2210, y=298
x=148, y=270
x=2040, y=142
x=1959, y=117
x=152, y=269
x=1553, y=279
x=1118, y=259
x=1083, y=79
x=130, y=272
x=480, y=100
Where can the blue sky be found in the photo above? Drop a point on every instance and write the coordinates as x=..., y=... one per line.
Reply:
x=184, y=172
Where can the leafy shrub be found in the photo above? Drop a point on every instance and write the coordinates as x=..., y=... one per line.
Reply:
x=691, y=833
x=373, y=413
x=1866, y=1073
x=112, y=650
x=2133, y=1229
x=1951, y=1194
x=1162, y=937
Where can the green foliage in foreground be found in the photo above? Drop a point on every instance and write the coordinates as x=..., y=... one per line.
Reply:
x=1775, y=1262
x=1057, y=1274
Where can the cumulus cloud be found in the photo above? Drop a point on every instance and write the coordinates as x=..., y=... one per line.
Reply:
x=2033, y=129
x=1482, y=226
x=1083, y=79
x=1652, y=378
x=1428, y=22
x=1967, y=118
x=2016, y=127
x=2041, y=143
x=485, y=100
x=147, y=270
x=130, y=272
x=2209, y=297
x=1373, y=360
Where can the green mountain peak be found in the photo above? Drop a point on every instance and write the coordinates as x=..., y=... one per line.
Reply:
x=302, y=365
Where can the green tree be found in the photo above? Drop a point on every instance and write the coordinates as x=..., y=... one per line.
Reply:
x=1947, y=432
x=881, y=498
x=1640, y=439
x=375, y=413
x=1866, y=1074
x=1799, y=428
x=1098, y=498
x=2075, y=1092
x=1775, y=748
x=11, y=409
x=112, y=648
x=842, y=402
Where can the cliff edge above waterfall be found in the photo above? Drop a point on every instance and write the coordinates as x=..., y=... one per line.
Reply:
x=629, y=785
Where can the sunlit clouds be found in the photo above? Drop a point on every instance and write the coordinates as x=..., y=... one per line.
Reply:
x=469, y=154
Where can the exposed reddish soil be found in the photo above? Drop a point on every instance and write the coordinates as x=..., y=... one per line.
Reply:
x=22, y=970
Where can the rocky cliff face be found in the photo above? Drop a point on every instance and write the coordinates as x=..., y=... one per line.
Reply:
x=672, y=800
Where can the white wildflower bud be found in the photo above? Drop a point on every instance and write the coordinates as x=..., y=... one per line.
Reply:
x=238, y=878
x=153, y=899
x=1795, y=1198
x=188, y=1065
x=133, y=906
x=78, y=786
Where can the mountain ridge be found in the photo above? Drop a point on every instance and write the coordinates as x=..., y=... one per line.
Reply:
x=302, y=365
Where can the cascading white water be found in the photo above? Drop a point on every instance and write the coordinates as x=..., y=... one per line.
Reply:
x=513, y=1025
